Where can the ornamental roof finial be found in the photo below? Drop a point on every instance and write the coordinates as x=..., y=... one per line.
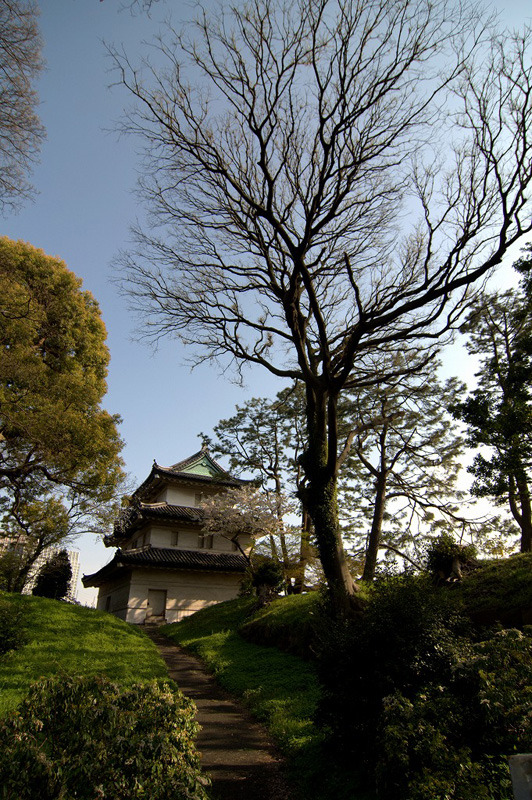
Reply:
x=205, y=442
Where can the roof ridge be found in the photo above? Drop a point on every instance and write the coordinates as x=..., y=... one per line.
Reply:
x=178, y=467
x=169, y=558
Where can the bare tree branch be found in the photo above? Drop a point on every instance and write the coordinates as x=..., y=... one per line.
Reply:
x=324, y=180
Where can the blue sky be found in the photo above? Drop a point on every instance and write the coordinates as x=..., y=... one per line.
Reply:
x=82, y=213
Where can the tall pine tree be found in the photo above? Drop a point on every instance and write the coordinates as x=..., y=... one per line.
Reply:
x=498, y=413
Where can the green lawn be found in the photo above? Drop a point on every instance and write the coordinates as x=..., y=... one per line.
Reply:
x=73, y=640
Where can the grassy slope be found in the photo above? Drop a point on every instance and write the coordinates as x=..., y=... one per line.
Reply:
x=73, y=640
x=281, y=689
x=500, y=591
x=288, y=623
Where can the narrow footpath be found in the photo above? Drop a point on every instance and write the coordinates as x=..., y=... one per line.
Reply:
x=235, y=750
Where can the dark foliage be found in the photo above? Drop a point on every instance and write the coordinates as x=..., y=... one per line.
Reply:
x=425, y=710
x=446, y=558
x=405, y=637
x=88, y=738
x=268, y=573
x=12, y=626
x=265, y=577
x=53, y=579
x=451, y=740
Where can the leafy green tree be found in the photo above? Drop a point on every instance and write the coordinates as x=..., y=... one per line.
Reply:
x=498, y=413
x=325, y=180
x=60, y=461
x=53, y=365
x=53, y=578
x=28, y=529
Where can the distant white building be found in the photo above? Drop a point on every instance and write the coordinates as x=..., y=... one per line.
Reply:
x=45, y=556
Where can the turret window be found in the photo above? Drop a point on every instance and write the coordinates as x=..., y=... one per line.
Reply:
x=206, y=541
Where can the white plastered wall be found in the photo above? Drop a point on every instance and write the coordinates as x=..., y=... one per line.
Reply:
x=159, y=536
x=163, y=537
x=114, y=597
x=183, y=495
x=187, y=591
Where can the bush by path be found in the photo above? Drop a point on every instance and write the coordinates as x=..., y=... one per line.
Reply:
x=422, y=703
x=90, y=738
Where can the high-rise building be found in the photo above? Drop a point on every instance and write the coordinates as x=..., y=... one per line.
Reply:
x=46, y=554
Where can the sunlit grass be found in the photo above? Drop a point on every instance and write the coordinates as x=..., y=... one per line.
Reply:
x=279, y=688
x=64, y=639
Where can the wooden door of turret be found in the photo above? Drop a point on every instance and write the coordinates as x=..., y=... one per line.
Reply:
x=156, y=603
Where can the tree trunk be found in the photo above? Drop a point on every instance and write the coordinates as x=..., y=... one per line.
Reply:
x=374, y=540
x=20, y=579
x=285, y=564
x=304, y=553
x=518, y=487
x=526, y=515
x=323, y=508
x=321, y=501
x=273, y=547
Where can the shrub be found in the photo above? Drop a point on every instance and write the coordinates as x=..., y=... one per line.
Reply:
x=409, y=634
x=12, y=626
x=88, y=738
x=446, y=557
x=452, y=741
x=53, y=579
x=428, y=712
x=266, y=578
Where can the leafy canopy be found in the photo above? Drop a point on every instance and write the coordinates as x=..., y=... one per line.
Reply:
x=53, y=365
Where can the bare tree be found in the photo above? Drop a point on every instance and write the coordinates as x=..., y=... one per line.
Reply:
x=21, y=132
x=325, y=178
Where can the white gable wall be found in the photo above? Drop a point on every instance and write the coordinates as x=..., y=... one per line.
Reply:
x=184, y=495
x=182, y=539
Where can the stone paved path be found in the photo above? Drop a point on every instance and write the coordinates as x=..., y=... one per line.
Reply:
x=235, y=750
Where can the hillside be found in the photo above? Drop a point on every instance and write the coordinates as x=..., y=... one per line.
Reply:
x=415, y=654
x=72, y=640
x=499, y=591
